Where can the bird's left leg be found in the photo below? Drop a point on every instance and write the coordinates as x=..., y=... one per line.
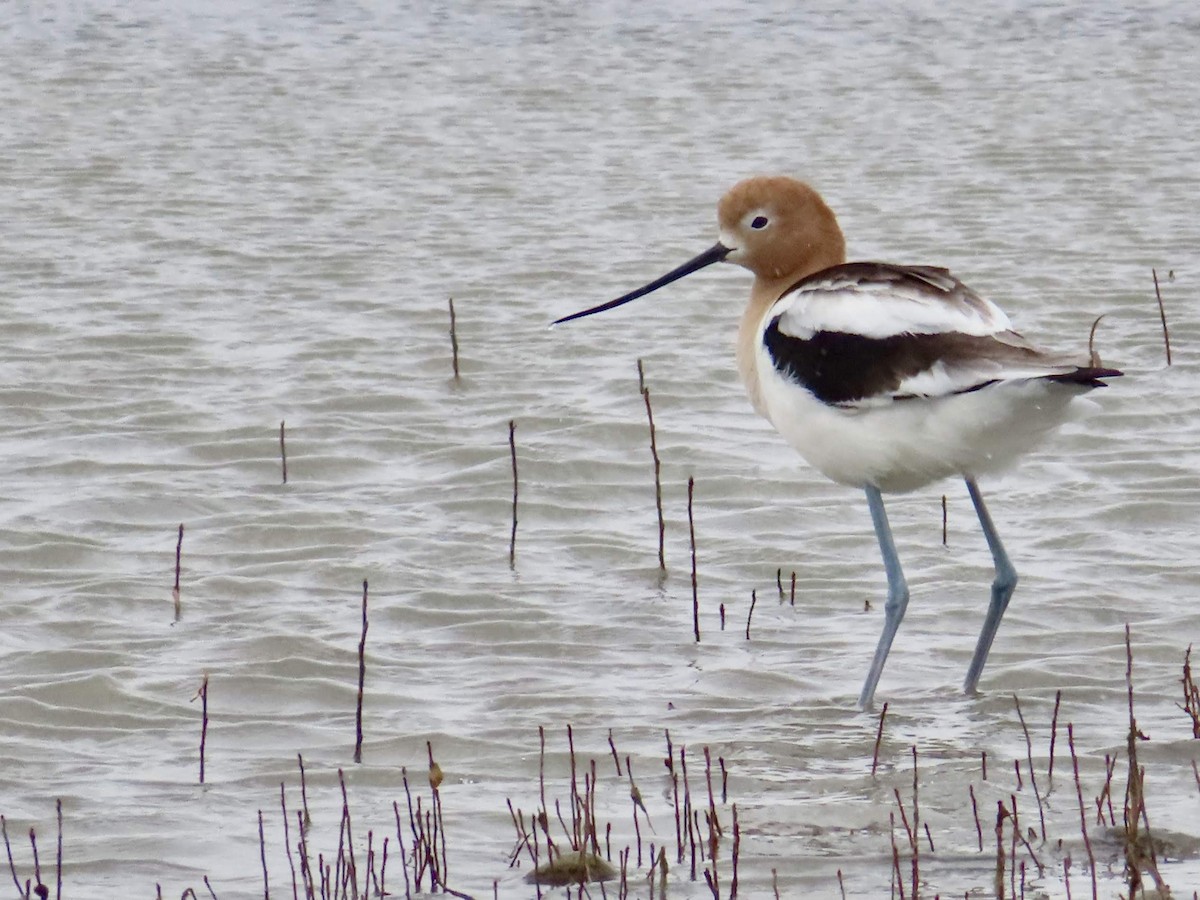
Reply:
x=897, y=601
x=1002, y=589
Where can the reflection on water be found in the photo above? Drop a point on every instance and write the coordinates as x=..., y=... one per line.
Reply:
x=218, y=218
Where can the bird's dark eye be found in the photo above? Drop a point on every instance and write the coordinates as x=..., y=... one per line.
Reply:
x=759, y=223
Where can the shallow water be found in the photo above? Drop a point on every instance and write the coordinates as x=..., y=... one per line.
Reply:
x=218, y=218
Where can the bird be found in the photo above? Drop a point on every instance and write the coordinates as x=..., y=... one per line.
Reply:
x=884, y=377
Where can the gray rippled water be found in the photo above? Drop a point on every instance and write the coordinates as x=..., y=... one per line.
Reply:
x=217, y=217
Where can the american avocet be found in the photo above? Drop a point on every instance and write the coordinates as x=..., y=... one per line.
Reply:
x=883, y=377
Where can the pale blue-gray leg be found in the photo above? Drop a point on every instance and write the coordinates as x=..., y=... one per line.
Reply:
x=897, y=600
x=1002, y=589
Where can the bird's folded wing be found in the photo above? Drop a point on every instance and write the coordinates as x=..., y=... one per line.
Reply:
x=863, y=334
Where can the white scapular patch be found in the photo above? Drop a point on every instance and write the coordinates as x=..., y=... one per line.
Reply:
x=924, y=301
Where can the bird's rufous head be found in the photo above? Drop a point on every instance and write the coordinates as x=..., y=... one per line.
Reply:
x=779, y=228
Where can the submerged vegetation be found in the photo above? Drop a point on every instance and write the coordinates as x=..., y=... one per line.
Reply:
x=1047, y=830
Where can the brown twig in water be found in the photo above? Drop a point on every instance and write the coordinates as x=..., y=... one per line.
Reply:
x=1162, y=314
x=346, y=861
x=896, y=873
x=454, y=339
x=669, y=762
x=635, y=796
x=908, y=828
x=203, y=695
x=912, y=830
x=58, y=855
x=512, y=449
x=262, y=852
x=737, y=845
x=1087, y=841
x=1032, y=774
x=175, y=590
x=779, y=582
x=613, y=748
x=753, y=600
x=983, y=763
x=711, y=874
x=975, y=810
x=1001, y=815
x=692, y=539
x=1139, y=851
x=1017, y=835
x=439, y=823
x=307, y=820
x=39, y=888
x=1053, y=737
x=658, y=502
x=11, y=865
x=306, y=875
x=287, y=839
x=1110, y=765
x=1191, y=693
x=283, y=450
x=916, y=823
x=878, y=739
x=362, y=676
x=688, y=819
x=944, y=521
x=792, y=601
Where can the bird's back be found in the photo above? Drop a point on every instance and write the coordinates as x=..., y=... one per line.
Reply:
x=900, y=375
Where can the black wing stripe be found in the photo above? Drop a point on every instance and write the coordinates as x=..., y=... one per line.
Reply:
x=839, y=368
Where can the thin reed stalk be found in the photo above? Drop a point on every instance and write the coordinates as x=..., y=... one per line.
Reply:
x=1162, y=314
x=878, y=739
x=202, y=693
x=1053, y=738
x=454, y=340
x=362, y=676
x=1191, y=693
x=1139, y=850
x=58, y=857
x=1032, y=773
x=287, y=840
x=262, y=852
x=1087, y=841
x=658, y=497
x=975, y=812
x=175, y=595
x=512, y=450
x=692, y=539
x=1001, y=865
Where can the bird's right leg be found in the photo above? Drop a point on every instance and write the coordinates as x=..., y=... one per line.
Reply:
x=1002, y=589
x=897, y=599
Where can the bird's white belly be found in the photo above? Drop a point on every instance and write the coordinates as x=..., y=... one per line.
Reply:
x=902, y=445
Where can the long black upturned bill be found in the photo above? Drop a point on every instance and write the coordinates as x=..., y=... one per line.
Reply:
x=713, y=254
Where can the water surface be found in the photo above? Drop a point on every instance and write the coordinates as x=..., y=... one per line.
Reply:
x=219, y=217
